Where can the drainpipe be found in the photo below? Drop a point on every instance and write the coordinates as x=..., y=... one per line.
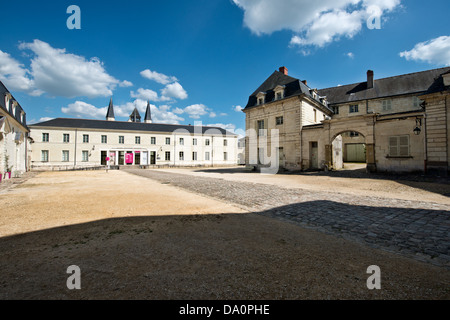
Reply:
x=425, y=146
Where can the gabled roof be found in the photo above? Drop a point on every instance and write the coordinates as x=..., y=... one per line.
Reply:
x=9, y=109
x=293, y=87
x=126, y=126
x=418, y=82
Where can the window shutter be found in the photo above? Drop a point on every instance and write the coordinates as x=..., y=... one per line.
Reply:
x=393, y=146
x=404, y=146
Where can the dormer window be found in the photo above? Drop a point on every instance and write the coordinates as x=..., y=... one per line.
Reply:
x=314, y=93
x=279, y=92
x=261, y=98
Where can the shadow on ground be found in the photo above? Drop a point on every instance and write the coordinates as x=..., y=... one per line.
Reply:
x=226, y=256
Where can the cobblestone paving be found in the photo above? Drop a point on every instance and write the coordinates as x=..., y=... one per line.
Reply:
x=415, y=229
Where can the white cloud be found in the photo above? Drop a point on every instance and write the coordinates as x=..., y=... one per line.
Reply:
x=80, y=109
x=14, y=75
x=351, y=55
x=43, y=119
x=158, y=77
x=125, y=84
x=212, y=114
x=238, y=108
x=174, y=90
x=315, y=23
x=145, y=94
x=435, y=51
x=63, y=74
x=195, y=111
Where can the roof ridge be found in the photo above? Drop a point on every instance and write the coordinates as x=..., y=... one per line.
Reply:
x=397, y=76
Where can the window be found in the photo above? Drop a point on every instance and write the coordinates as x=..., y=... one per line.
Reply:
x=153, y=140
x=387, y=105
x=168, y=141
x=181, y=141
x=279, y=120
x=65, y=156
x=181, y=156
x=85, y=138
x=225, y=143
x=399, y=146
x=279, y=96
x=194, y=142
x=167, y=155
x=336, y=110
x=315, y=115
x=207, y=142
x=121, y=139
x=354, y=134
x=260, y=101
x=194, y=156
x=45, y=137
x=104, y=139
x=225, y=156
x=353, y=108
x=137, y=140
x=260, y=126
x=44, y=155
x=417, y=102
x=66, y=138
x=207, y=156
x=85, y=156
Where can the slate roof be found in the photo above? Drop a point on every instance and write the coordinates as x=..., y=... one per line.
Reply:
x=135, y=116
x=293, y=87
x=412, y=83
x=8, y=109
x=123, y=126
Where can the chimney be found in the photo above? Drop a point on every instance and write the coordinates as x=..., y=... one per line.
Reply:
x=284, y=70
x=370, y=79
x=305, y=82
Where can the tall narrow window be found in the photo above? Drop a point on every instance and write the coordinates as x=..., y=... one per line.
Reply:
x=104, y=139
x=45, y=137
x=167, y=155
x=181, y=156
x=207, y=142
x=85, y=138
x=168, y=141
x=44, y=155
x=66, y=138
x=153, y=140
x=260, y=126
x=137, y=140
x=194, y=156
x=181, y=141
x=225, y=156
x=85, y=156
x=279, y=120
x=194, y=142
x=207, y=156
x=225, y=143
x=65, y=156
x=121, y=139
x=315, y=115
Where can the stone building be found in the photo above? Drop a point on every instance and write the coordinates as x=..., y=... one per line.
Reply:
x=393, y=124
x=14, y=144
x=78, y=143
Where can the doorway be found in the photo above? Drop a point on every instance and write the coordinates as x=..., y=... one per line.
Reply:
x=314, y=155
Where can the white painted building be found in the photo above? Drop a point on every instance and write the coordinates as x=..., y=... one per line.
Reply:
x=78, y=143
x=14, y=146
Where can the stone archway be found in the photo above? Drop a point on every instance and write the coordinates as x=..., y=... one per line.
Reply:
x=363, y=125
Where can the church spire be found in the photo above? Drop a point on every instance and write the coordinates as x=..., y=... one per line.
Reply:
x=110, y=114
x=148, y=114
x=135, y=116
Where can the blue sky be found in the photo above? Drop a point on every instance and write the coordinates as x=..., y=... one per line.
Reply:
x=199, y=60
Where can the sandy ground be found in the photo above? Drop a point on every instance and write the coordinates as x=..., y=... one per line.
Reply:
x=135, y=238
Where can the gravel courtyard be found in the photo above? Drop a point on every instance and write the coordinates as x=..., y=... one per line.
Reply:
x=222, y=234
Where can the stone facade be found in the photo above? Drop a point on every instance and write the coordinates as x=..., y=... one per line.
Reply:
x=14, y=143
x=397, y=123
